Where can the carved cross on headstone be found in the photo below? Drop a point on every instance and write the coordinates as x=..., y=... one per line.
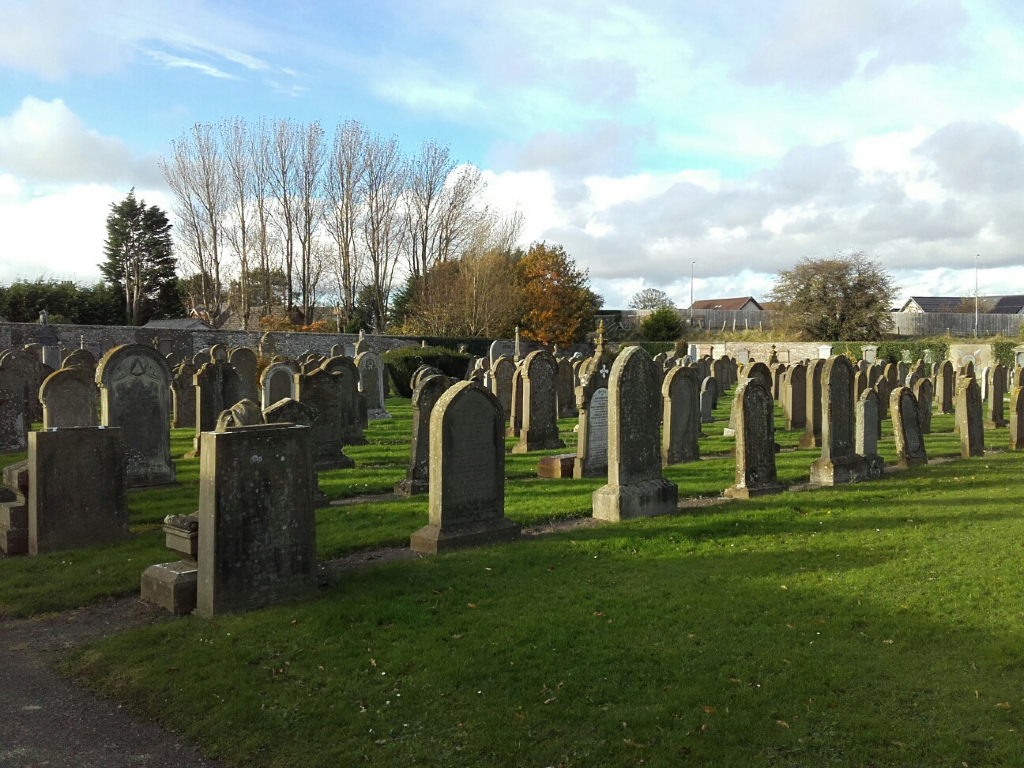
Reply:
x=604, y=370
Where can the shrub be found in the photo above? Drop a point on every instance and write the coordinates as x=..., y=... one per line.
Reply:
x=661, y=325
x=402, y=363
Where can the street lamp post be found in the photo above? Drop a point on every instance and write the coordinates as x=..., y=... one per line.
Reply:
x=691, y=291
x=975, y=295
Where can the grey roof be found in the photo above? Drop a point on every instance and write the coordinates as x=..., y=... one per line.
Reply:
x=936, y=303
x=1007, y=305
x=180, y=324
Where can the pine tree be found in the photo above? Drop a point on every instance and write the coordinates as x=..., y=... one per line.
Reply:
x=140, y=260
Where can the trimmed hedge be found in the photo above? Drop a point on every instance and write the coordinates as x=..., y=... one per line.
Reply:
x=1003, y=352
x=892, y=351
x=402, y=363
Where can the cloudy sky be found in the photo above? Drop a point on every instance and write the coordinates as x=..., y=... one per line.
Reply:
x=643, y=136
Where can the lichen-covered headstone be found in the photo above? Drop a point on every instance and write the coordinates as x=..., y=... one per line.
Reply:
x=135, y=395
x=922, y=390
x=811, y=438
x=217, y=388
x=566, y=390
x=867, y=429
x=755, y=441
x=70, y=398
x=371, y=384
x=277, y=383
x=424, y=398
x=635, y=486
x=257, y=528
x=777, y=370
x=968, y=418
x=680, y=395
x=77, y=488
x=539, y=430
x=906, y=429
x=839, y=462
x=81, y=358
x=354, y=406
x=592, y=405
x=467, y=473
x=502, y=372
x=324, y=392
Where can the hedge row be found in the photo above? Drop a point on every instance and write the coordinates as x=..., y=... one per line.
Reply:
x=402, y=363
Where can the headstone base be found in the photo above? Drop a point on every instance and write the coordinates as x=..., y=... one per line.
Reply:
x=647, y=498
x=810, y=441
x=989, y=424
x=874, y=466
x=848, y=469
x=172, y=586
x=524, y=446
x=430, y=539
x=746, y=492
x=912, y=461
x=558, y=466
x=709, y=420
x=14, y=528
x=377, y=415
x=340, y=462
x=407, y=487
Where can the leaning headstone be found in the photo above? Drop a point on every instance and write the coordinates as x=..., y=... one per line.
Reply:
x=70, y=399
x=257, y=528
x=424, y=398
x=592, y=405
x=635, y=486
x=502, y=372
x=906, y=429
x=996, y=394
x=539, y=431
x=839, y=462
x=243, y=360
x=968, y=418
x=467, y=473
x=811, y=438
x=324, y=393
x=277, y=383
x=867, y=429
x=244, y=413
x=755, y=441
x=1017, y=418
x=795, y=397
x=371, y=383
x=680, y=394
x=288, y=411
x=566, y=390
x=77, y=488
x=135, y=395
x=923, y=394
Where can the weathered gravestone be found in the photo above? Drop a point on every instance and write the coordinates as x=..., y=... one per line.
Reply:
x=371, y=384
x=680, y=394
x=278, y=383
x=566, y=390
x=243, y=360
x=502, y=372
x=77, y=488
x=70, y=399
x=424, y=398
x=421, y=373
x=81, y=358
x=539, y=430
x=883, y=390
x=324, y=392
x=135, y=395
x=354, y=407
x=467, y=473
x=173, y=586
x=811, y=438
x=708, y=390
x=751, y=369
x=14, y=417
x=501, y=348
x=23, y=375
x=362, y=345
x=14, y=509
x=906, y=429
x=968, y=418
x=839, y=462
x=288, y=411
x=1017, y=418
x=996, y=394
x=867, y=428
x=922, y=390
x=778, y=370
x=244, y=413
x=217, y=389
x=860, y=383
x=891, y=373
x=795, y=397
x=592, y=405
x=183, y=395
x=257, y=529
x=755, y=441
x=635, y=486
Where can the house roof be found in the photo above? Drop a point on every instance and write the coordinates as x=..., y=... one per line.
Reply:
x=179, y=324
x=936, y=303
x=736, y=303
x=1007, y=305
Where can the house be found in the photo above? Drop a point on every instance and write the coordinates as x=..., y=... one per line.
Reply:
x=1006, y=305
x=741, y=304
x=927, y=304
x=989, y=305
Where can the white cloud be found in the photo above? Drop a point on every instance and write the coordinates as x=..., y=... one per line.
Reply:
x=179, y=62
x=46, y=142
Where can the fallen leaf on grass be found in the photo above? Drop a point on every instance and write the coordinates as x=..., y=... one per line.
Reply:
x=1003, y=705
x=471, y=605
x=520, y=715
x=598, y=613
x=790, y=626
x=709, y=710
x=782, y=724
x=784, y=587
x=548, y=701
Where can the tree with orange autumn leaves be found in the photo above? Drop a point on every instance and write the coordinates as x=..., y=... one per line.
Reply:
x=558, y=305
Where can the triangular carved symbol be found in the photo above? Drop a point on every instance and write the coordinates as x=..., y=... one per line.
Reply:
x=138, y=368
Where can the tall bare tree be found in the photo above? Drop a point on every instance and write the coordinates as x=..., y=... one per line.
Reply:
x=283, y=175
x=261, y=193
x=345, y=192
x=235, y=136
x=384, y=229
x=311, y=154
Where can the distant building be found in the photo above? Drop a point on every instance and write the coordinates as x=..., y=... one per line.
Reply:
x=989, y=305
x=741, y=304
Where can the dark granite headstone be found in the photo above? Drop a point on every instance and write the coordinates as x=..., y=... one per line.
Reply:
x=681, y=417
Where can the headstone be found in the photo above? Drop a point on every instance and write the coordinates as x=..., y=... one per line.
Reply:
x=257, y=528
x=860, y=383
x=363, y=345
x=424, y=398
x=354, y=406
x=219, y=353
x=515, y=417
x=923, y=395
x=81, y=358
x=707, y=400
x=1017, y=418
x=324, y=393
x=680, y=394
x=371, y=383
x=539, y=431
x=902, y=370
x=502, y=372
x=755, y=441
x=867, y=431
x=70, y=399
x=244, y=413
x=883, y=390
x=635, y=486
x=869, y=352
x=811, y=438
x=277, y=383
x=501, y=348
x=467, y=473
x=183, y=395
x=891, y=373
x=77, y=491
x=996, y=394
x=23, y=375
x=983, y=381
x=135, y=395
x=777, y=371
x=566, y=390
x=217, y=389
x=795, y=395
x=243, y=360
x=268, y=345
x=906, y=429
x=592, y=405
x=14, y=416
x=288, y=411
x=968, y=418
x=839, y=462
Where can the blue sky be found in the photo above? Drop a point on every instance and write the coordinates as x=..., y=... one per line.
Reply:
x=643, y=135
